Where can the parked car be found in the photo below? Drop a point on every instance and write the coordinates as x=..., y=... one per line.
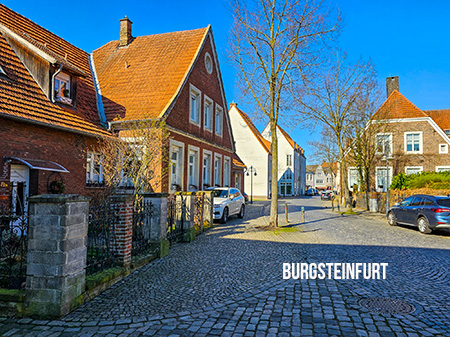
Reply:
x=228, y=201
x=427, y=212
x=245, y=197
x=326, y=195
x=311, y=191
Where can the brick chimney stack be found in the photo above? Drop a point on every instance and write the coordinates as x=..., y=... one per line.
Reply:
x=125, y=32
x=391, y=85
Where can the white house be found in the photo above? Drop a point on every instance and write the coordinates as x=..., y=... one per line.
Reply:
x=291, y=163
x=320, y=177
x=254, y=151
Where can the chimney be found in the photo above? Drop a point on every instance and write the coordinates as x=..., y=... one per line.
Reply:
x=391, y=85
x=233, y=104
x=125, y=32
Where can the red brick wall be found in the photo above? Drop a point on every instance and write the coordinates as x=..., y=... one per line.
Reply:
x=38, y=142
x=209, y=85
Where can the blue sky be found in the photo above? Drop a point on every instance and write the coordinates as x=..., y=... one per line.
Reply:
x=405, y=38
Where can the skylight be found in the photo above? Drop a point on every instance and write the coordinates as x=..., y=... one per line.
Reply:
x=2, y=72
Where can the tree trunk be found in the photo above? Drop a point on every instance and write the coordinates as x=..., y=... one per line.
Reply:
x=274, y=190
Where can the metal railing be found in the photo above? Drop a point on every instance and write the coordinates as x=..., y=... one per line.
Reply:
x=142, y=216
x=176, y=210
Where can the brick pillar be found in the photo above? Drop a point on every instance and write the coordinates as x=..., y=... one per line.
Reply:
x=56, y=259
x=123, y=229
x=157, y=221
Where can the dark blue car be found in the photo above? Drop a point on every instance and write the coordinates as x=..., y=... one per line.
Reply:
x=424, y=211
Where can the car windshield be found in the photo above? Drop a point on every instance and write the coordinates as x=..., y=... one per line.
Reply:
x=220, y=193
x=444, y=202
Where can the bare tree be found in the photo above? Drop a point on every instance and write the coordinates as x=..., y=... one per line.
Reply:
x=136, y=156
x=273, y=44
x=330, y=100
x=326, y=151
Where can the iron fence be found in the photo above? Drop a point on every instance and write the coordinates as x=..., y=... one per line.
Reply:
x=142, y=217
x=13, y=247
x=176, y=210
x=101, y=237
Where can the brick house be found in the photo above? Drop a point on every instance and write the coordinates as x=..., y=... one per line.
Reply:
x=48, y=113
x=291, y=163
x=418, y=140
x=173, y=77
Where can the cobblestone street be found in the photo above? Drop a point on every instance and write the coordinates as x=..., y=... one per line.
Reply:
x=229, y=282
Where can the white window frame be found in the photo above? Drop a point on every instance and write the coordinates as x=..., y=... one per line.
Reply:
x=210, y=102
x=420, y=168
x=218, y=112
x=442, y=168
x=351, y=169
x=289, y=160
x=180, y=160
x=226, y=172
x=193, y=91
x=90, y=163
x=376, y=177
x=63, y=78
x=445, y=150
x=390, y=143
x=220, y=175
x=195, y=181
x=209, y=70
x=209, y=168
x=420, y=142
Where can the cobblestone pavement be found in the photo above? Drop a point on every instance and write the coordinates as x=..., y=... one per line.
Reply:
x=229, y=282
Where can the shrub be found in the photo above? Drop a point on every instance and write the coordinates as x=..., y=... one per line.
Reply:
x=433, y=180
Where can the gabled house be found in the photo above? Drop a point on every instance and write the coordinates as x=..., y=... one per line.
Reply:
x=317, y=177
x=291, y=163
x=48, y=114
x=414, y=140
x=174, y=77
x=254, y=151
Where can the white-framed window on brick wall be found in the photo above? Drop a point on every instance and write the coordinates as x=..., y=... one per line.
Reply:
x=208, y=106
x=206, y=173
x=413, y=142
x=383, y=143
x=193, y=169
x=176, y=165
x=94, y=170
x=413, y=169
x=218, y=169
x=219, y=120
x=442, y=168
x=443, y=148
x=194, y=105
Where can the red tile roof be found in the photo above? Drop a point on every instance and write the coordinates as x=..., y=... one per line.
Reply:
x=397, y=107
x=237, y=162
x=144, y=77
x=264, y=143
x=20, y=95
x=441, y=117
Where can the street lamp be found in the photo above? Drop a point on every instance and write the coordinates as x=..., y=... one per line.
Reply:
x=251, y=171
x=386, y=157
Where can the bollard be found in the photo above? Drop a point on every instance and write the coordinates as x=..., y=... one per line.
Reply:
x=332, y=204
x=286, y=212
x=303, y=214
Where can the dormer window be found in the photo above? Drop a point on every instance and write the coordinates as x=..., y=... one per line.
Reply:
x=63, y=88
x=2, y=72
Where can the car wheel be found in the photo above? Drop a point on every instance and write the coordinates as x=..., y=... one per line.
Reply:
x=391, y=219
x=241, y=212
x=224, y=215
x=423, y=225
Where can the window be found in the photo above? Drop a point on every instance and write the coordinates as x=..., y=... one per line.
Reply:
x=447, y=132
x=237, y=180
x=193, y=169
x=2, y=72
x=353, y=177
x=62, y=88
x=413, y=169
x=226, y=172
x=206, y=169
x=413, y=142
x=217, y=170
x=195, y=103
x=219, y=120
x=94, y=170
x=381, y=177
x=319, y=181
x=208, y=113
x=208, y=63
x=443, y=148
x=416, y=201
x=442, y=168
x=383, y=143
x=289, y=160
x=176, y=165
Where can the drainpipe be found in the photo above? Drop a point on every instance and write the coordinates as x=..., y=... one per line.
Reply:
x=53, y=83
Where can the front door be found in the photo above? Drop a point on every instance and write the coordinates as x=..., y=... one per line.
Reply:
x=19, y=178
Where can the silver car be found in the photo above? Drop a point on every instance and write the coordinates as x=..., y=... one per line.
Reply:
x=228, y=201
